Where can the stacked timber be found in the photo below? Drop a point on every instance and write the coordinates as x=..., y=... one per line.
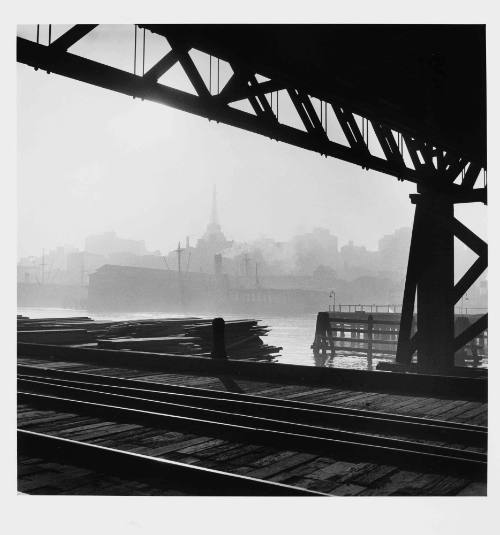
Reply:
x=181, y=336
x=57, y=331
x=183, y=345
x=243, y=339
x=151, y=327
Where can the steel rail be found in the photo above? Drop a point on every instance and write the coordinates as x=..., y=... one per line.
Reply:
x=343, y=445
x=224, y=414
x=138, y=467
x=354, y=419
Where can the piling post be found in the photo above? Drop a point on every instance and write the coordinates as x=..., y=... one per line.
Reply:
x=218, y=339
x=322, y=328
x=370, y=341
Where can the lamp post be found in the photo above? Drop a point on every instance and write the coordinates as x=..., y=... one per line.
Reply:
x=332, y=294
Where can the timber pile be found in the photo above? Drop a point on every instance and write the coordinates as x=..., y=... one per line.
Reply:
x=56, y=336
x=183, y=345
x=243, y=339
x=151, y=328
x=181, y=336
x=63, y=331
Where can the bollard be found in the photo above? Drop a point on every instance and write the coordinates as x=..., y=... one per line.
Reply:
x=218, y=341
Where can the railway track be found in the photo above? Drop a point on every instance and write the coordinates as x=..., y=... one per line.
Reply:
x=280, y=409
x=195, y=480
x=241, y=419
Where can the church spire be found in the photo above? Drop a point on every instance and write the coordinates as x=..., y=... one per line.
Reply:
x=214, y=237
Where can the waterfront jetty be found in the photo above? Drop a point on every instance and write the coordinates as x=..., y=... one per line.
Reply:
x=371, y=333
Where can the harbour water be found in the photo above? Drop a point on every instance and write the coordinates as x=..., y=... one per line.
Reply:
x=294, y=334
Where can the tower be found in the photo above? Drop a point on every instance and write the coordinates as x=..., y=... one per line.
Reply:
x=213, y=241
x=214, y=237
x=213, y=226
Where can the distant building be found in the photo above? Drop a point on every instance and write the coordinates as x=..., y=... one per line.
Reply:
x=357, y=261
x=109, y=243
x=315, y=248
x=81, y=264
x=393, y=250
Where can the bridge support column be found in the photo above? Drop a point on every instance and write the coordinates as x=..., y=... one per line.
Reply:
x=435, y=306
x=429, y=280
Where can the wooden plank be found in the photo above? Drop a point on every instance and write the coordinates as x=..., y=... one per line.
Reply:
x=308, y=393
x=347, y=489
x=152, y=436
x=412, y=407
x=326, y=397
x=419, y=407
x=274, y=468
x=393, y=402
x=253, y=453
x=301, y=470
x=272, y=458
x=457, y=410
x=209, y=442
x=443, y=407
x=447, y=486
x=66, y=425
x=160, y=451
x=434, y=403
x=480, y=419
x=59, y=425
x=357, y=399
x=123, y=432
x=41, y=419
x=225, y=447
x=135, y=438
x=337, y=469
x=89, y=431
x=474, y=411
x=33, y=415
x=291, y=393
x=402, y=483
x=314, y=484
x=376, y=403
x=281, y=390
x=370, y=477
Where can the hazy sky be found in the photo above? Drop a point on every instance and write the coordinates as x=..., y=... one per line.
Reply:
x=91, y=160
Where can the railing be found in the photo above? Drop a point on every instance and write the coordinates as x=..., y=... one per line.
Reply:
x=397, y=309
x=365, y=308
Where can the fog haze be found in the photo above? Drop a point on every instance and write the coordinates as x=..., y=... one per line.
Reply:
x=91, y=160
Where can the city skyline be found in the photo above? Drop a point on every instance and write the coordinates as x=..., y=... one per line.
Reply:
x=70, y=171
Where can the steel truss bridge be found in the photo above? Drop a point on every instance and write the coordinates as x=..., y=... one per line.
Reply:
x=420, y=90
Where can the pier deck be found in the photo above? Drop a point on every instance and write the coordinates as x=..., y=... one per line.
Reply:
x=306, y=465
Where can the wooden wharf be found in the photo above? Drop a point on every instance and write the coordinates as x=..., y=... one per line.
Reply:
x=372, y=332
x=122, y=422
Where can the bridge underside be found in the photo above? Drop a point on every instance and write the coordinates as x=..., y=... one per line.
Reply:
x=423, y=137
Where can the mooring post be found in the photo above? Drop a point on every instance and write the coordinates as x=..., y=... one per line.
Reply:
x=218, y=340
x=370, y=340
x=322, y=328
